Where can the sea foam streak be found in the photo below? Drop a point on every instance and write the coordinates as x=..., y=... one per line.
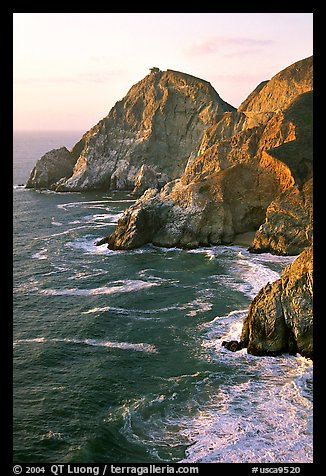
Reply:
x=244, y=422
x=130, y=312
x=124, y=286
x=140, y=347
x=41, y=254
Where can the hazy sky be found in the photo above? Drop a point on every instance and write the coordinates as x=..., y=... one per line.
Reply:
x=71, y=68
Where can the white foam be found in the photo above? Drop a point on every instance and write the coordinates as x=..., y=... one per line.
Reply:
x=265, y=419
x=52, y=435
x=40, y=254
x=109, y=218
x=198, y=306
x=255, y=275
x=88, y=246
x=64, y=206
x=38, y=340
x=210, y=253
x=259, y=421
x=140, y=347
x=122, y=345
x=221, y=328
x=55, y=223
x=96, y=310
x=121, y=201
x=247, y=273
x=123, y=286
x=91, y=204
x=131, y=312
x=19, y=187
x=66, y=232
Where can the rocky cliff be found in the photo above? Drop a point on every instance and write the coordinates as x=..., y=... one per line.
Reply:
x=251, y=172
x=145, y=140
x=208, y=174
x=280, y=318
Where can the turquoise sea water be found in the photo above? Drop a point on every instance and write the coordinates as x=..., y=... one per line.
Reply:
x=117, y=354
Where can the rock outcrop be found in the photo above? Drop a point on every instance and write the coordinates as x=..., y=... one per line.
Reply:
x=210, y=211
x=248, y=164
x=50, y=168
x=147, y=137
x=280, y=318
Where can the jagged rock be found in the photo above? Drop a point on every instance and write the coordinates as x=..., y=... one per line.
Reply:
x=159, y=123
x=52, y=166
x=232, y=345
x=280, y=318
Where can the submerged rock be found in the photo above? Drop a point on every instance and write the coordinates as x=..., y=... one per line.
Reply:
x=232, y=345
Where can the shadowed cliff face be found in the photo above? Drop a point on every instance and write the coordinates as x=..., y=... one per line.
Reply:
x=247, y=161
x=159, y=124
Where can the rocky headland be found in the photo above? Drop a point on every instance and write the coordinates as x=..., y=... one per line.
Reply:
x=208, y=174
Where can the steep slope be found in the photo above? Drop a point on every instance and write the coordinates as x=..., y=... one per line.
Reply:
x=146, y=139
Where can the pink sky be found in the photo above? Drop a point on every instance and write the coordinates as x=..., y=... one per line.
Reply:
x=71, y=68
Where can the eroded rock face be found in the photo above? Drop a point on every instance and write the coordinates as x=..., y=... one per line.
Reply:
x=280, y=318
x=158, y=124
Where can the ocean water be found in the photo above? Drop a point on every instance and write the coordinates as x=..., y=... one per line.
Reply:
x=117, y=354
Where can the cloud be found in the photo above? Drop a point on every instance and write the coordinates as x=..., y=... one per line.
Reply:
x=227, y=45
